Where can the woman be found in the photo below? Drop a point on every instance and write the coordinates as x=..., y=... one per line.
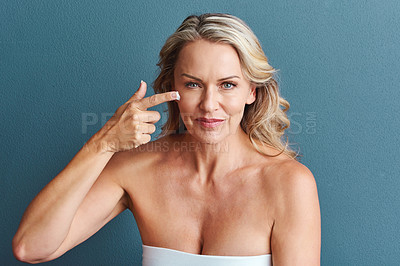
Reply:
x=219, y=182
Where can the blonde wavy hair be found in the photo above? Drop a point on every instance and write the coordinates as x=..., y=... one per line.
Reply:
x=265, y=120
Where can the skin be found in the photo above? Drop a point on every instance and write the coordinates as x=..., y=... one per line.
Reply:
x=204, y=192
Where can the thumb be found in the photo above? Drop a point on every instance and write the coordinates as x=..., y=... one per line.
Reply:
x=141, y=92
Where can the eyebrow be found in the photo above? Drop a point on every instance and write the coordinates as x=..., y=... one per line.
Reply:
x=198, y=79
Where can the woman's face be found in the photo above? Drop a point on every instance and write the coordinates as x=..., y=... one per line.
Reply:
x=213, y=90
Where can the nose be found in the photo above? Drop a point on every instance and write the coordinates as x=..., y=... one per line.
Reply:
x=209, y=100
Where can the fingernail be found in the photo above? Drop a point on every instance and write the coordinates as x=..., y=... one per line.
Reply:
x=176, y=95
x=141, y=81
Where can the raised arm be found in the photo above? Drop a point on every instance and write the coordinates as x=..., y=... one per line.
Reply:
x=86, y=194
x=54, y=220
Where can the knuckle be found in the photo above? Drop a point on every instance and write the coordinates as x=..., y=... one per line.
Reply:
x=152, y=99
x=134, y=123
x=135, y=117
x=130, y=106
x=137, y=136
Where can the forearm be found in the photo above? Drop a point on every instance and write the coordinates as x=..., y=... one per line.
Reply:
x=46, y=222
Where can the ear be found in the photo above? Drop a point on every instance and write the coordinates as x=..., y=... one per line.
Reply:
x=252, y=95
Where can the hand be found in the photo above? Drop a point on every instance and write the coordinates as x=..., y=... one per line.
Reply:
x=132, y=124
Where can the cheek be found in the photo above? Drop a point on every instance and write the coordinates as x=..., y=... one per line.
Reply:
x=186, y=104
x=189, y=100
x=184, y=107
x=233, y=105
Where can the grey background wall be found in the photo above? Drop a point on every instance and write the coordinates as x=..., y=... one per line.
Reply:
x=66, y=63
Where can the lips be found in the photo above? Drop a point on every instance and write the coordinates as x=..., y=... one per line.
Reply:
x=209, y=122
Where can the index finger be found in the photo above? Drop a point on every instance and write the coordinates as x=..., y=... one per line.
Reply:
x=157, y=99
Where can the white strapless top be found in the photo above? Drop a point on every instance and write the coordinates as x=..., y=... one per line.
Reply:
x=156, y=256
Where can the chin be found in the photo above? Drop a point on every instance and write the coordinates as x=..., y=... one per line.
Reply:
x=208, y=137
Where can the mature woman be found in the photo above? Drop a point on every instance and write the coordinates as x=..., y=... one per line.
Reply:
x=220, y=181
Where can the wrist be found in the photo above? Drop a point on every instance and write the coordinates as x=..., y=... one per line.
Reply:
x=98, y=144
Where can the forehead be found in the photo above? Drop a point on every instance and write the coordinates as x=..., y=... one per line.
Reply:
x=203, y=57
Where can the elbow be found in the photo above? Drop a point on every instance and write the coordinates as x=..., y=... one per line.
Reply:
x=20, y=253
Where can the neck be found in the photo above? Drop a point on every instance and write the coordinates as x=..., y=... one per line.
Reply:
x=211, y=161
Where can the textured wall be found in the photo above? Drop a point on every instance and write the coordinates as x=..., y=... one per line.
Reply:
x=338, y=61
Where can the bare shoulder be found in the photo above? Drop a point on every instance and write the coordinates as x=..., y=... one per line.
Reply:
x=289, y=177
x=284, y=174
x=291, y=189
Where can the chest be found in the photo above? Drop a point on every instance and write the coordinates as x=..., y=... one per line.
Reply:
x=223, y=218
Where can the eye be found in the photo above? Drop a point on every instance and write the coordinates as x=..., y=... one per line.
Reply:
x=228, y=85
x=192, y=85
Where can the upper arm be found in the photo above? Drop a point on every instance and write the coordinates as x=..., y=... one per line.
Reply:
x=105, y=200
x=296, y=233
